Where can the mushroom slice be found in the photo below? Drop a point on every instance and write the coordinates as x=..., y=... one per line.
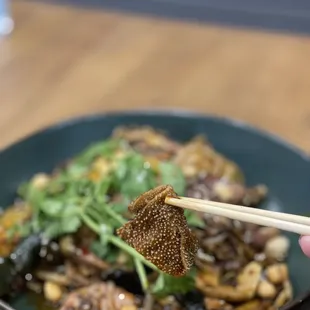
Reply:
x=250, y=277
x=277, y=247
x=247, y=283
x=160, y=233
x=285, y=295
x=199, y=157
x=92, y=260
x=225, y=292
x=69, y=249
x=210, y=276
x=74, y=275
x=277, y=273
x=217, y=304
x=148, y=141
x=52, y=291
x=250, y=305
x=266, y=290
x=221, y=189
x=53, y=276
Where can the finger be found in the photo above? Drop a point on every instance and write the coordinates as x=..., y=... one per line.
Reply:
x=304, y=242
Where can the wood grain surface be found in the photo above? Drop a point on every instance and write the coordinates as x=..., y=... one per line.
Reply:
x=62, y=62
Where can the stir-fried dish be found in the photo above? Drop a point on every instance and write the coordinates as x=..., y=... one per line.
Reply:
x=69, y=241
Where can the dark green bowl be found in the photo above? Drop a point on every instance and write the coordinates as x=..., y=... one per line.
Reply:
x=263, y=158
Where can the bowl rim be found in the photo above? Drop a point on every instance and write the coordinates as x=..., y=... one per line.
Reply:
x=178, y=113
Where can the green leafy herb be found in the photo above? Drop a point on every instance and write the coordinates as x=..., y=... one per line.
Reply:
x=97, y=248
x=194, y=219
x=133, y=177
x=76, y=170
x=119, y=207
x=70, y=200
x=171, y=174
x=107, y=252
x=63, y=226
x=52, y=208
x=23, y=189
x=106, y=149
x=167, y=285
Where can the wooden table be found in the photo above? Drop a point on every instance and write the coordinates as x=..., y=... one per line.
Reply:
x=62, y=62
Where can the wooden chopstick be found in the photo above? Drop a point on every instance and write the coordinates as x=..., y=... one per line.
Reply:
x=288, y=222
x=5, y=306
x=272, y=214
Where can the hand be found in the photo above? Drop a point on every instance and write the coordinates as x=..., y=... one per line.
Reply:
x=304, y=243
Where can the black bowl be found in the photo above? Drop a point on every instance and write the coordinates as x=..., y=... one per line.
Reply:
x=263, y=158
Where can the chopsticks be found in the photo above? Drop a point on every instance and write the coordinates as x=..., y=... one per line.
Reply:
x=5, y=306
x=284, y=221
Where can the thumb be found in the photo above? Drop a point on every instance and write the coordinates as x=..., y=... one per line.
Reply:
x=304, y=243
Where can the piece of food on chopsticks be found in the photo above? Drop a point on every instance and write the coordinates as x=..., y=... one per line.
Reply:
x=160, y=232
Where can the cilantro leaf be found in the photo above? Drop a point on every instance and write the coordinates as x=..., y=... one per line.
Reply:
x=51, y=207
x=133, y=177
x=99, y=249
x=119, y=207
x=76, y=170
x=167, y=285
x=55, y=229
x=105, y=232
x=193, y=219
x=101, y=189
x=72, y=225
x=23, y=189
x=108, y=253
x=103, y=148
x=171, y=174
x=34, y=196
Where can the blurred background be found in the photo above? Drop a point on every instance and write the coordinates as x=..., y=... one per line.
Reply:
x=69, y=59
